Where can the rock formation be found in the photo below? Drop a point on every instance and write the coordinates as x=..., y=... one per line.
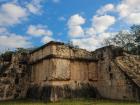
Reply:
x=56, y=71
x=14, y=77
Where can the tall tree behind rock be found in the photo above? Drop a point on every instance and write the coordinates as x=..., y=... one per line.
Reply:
x=135, y=29
x=122, y=39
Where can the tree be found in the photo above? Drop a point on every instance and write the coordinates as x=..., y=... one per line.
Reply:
x=22, y=50
x=122, y=39
x=135, y=30
x=7, y=55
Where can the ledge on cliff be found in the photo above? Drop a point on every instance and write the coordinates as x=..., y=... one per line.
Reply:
x=130, y=64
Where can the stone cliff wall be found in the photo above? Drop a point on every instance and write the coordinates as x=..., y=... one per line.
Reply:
x=60, y=50
x=63, y=78
x=14, y=78
x=130, y=64
x=62, y=66
x=65, y=66
x=58, y=62
x=56, y=71
x=113, y=83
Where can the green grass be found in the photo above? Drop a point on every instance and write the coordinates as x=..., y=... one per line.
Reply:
x=69, y=102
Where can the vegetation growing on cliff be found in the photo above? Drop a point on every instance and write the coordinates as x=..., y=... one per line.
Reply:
x=7, y=55
x=129, y=40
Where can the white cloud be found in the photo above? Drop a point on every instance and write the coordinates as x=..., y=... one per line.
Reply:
x=35, y=6
x=76, y=20
x=105, y=9
x=13, y=41
x=134, y=18
x=47, y=39
x=38, y=30
x=76, y=31
x=3, y=30
x=74, y=25
x=129, y=11
x=32, y=8
x=102, y=23
x=92, y=37
x=90, y=31
x=93, y=42
x=86, y=43
x=123, y=10
x=11, y=14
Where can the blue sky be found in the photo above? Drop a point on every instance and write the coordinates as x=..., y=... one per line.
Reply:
x=32, y=23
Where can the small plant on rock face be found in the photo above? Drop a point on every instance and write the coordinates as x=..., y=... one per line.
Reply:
x=129, y=40
x=6, y=56
x=22, y=50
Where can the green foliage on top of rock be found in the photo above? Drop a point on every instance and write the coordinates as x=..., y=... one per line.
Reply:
x=129, y=40
x=6, y=56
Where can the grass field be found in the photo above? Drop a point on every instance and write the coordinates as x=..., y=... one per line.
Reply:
x=69, y=102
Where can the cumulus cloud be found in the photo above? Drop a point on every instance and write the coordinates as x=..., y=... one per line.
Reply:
x=38, y=30
x=3, y=30
x=11, y=41
x=76, y=20
x=90, y=43
x=76, y=31
x=11, y=14
x=47, y=39
x=90, y=31
x=102, y=23
x=92, y=37
x=105, y=9
x=93, y=42
x=35, y=6
x=129, y=11
x=74, y=25
x=32, y=8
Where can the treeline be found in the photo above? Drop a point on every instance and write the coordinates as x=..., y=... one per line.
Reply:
x=129, y=40
x=7, y=55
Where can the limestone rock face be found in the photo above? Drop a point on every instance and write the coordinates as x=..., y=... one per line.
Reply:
x=130, y=64
x=115, y=77
x=59, y=92
x=56, y=71
x=58, y=50
x=14, y=78
x=103, y=69
x=61, y=70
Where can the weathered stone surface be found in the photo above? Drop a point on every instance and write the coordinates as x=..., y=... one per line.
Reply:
x=56, y=71
x=130, y=65
x=59, y=50
x=58, y=92
x=14, y=78
x=61, y=71
x=113, y=83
